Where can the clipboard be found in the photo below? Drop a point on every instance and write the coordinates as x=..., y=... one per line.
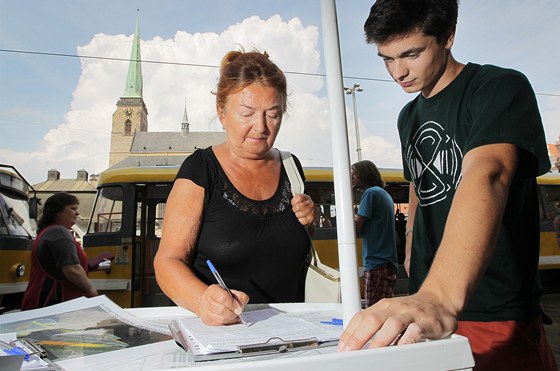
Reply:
x=249, y=350
x=274, y=345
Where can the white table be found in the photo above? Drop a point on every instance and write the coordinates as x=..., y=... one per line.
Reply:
x=449, y=354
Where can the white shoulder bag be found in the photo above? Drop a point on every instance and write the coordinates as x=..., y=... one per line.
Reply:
x=322, y=283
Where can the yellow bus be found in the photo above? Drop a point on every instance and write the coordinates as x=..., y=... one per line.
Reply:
x=549, y=215
x=128, y=213
x=17, y=231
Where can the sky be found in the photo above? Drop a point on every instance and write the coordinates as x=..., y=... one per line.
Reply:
x=63, y=67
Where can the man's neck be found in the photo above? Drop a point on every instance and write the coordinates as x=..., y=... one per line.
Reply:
x=451, y=71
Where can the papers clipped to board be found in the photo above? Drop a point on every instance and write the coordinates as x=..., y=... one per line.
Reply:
x=268, y=331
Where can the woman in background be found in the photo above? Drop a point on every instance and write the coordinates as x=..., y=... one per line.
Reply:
x=59, y=265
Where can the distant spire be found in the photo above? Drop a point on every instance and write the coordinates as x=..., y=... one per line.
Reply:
x=134, y=83
x=185, y=123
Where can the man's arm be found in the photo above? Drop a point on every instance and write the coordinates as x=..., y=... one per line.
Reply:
x=359, y=222
x=467, y=246
x=412, y=204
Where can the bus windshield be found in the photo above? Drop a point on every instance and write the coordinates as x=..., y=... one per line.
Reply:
x=17, y=222
x=107, y=213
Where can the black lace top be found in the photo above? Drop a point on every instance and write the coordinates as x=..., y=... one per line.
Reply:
x=259, y=247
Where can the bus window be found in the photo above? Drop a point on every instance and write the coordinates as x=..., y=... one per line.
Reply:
x=3, y=227
x=107, y=213
x=139, y=215
x=17, y=213
x=322, y=195
x=160, y=211
x=549, y=210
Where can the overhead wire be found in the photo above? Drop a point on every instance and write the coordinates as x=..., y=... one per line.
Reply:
x=198, y=65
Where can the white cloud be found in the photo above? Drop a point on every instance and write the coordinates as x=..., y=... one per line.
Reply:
x=82, y=140
x=550, y=113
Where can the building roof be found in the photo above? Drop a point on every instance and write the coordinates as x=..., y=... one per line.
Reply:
x=65, y=185
x=174, y=142
x=151, y=160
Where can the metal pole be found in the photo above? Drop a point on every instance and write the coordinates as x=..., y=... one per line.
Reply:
x=353, y=91
x=346, y=234
x=358, y=147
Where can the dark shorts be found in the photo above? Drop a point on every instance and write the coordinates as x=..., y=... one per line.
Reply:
x=379, y=283
x=509, y=345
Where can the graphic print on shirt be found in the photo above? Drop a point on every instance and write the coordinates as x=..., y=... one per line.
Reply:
x=434, y=160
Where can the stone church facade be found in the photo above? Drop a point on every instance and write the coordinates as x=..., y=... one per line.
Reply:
x=132, y=145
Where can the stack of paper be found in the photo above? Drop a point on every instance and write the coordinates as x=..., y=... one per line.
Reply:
x=269, y=330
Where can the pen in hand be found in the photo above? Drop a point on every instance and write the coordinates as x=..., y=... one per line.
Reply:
x=223, y=285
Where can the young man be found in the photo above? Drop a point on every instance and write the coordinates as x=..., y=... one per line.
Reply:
x=472, y=144
x=375, y=220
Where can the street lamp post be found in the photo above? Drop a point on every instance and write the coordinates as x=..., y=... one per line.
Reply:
x=356, y=87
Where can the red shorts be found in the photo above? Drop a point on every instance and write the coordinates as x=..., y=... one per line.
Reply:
x=509, y=345
x=379, y=283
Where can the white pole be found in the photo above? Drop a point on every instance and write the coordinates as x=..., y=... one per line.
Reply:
x=341, y=164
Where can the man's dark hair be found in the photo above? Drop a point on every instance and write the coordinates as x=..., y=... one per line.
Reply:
x=368, y=174
x=393, y=19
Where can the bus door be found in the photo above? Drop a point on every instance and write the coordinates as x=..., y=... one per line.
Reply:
x=399, y=193
x=111, y=229
x=549, y=257
x=153, y=201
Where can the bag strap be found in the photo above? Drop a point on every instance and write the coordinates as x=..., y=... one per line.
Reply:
x=297, y=187
x=296, y=182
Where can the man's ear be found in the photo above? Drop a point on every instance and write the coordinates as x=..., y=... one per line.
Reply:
x=450, y=39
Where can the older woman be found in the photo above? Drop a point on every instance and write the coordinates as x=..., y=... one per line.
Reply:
x=231, y=203
x=59, y=265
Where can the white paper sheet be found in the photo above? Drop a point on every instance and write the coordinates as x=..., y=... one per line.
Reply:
x=265, y=326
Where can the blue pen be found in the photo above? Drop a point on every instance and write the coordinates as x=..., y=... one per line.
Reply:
x=223, y=285
x=13, y=350
x=334, y=321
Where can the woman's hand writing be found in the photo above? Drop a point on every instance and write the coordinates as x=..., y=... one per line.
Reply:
x=216, y=307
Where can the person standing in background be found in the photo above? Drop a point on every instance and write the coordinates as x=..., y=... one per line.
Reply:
x=59, y=265
x=375, y=220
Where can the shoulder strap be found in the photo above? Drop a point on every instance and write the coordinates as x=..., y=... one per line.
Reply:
x=298, y=187
x=293, y=174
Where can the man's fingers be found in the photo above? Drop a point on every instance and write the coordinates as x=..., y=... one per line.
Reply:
x=389, y=332
x=359, y=330
x=411, y=335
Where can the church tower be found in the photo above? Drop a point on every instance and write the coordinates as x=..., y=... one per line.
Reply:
x=131, y=114
x=185, y=124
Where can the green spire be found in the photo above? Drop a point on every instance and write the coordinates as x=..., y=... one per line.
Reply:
x=133, y=87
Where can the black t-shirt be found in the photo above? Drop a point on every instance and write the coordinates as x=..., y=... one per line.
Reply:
x=259, y=247
x=483, y=105
x=57, y=249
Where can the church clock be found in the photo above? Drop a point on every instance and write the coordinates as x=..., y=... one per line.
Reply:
x=128, y=113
